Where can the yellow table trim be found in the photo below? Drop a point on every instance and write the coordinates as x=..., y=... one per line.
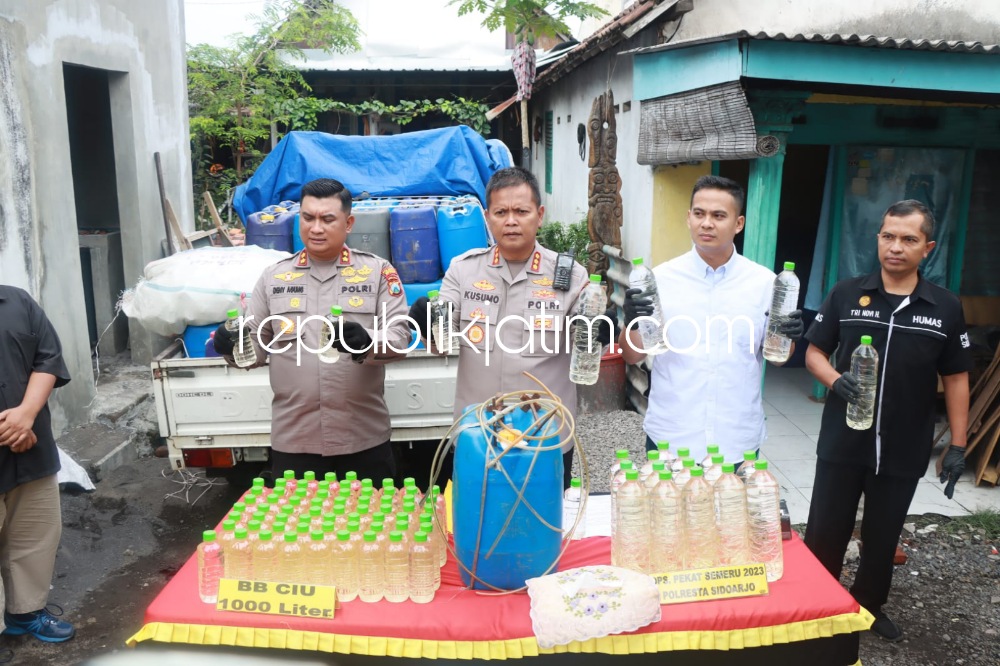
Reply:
x=513, y=648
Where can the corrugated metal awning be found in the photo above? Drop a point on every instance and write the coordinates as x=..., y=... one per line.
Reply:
x=868, y=41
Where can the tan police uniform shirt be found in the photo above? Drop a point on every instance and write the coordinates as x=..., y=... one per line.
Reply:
x=483, y=291
x=320, y=408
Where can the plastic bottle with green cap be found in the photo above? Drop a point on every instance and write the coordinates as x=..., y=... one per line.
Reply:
x=699, y=522
x=864, y=367
x=371, y=582
x=585, y=358
x=265, y=557
x=632, y=534
x=746, y=469
x=331, y=330
x=244, y=354
x=572, y=501
x=784, y=300
x=423, y=569
x=210, y=567
x=764, y=518
x=666, y=525
x=650, y=327
x=440, y=325
x=397, y=568
x=731, y=518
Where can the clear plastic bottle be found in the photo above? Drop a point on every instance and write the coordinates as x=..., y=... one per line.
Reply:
x=346, y=567
x=291, y=560
x=397, y=569
x=440, y=322
x=731, y=518
x=764, y=518
x=239, y=557
x=620, y=456
x=585, y=358
x=668, y=541
x=647, y=467
x=864, y=366
x=372, y=569
x=632, y=533
x=319, y=560
x=682, y=477
x=423, y=566
x=666, y=455
x=710, y=450
x=210, y=567
x=326, y=337
x=440, y=508
x=784, y=299
x=699, y=522
x=654, y=478
x=332, y=487
x=435, y=545
x=746, y=470
x=265, y=558
x=678, y=464
x=228, y=535
x=572, y=499
x=244, y=355
x=616, y=482
x=650, y=329
x=713, y=473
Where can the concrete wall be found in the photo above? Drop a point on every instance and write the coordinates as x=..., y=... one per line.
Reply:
x=570, y=100
x=966, y=20
x=141, y=46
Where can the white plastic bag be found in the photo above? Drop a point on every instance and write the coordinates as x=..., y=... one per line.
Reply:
x=196, y=287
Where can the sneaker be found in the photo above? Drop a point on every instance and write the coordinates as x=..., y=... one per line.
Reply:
x=886, y=628
x=41, y=624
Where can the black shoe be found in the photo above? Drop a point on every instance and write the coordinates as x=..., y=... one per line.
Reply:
x=886, y=628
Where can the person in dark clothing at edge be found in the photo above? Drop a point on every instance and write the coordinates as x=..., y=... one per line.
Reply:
x=31, y=366
x=918, y=330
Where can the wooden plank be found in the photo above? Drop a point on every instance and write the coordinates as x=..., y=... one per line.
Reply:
x=224, y=238
x=182, y=242
x=984, y=461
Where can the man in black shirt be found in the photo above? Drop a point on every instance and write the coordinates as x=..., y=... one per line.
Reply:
x=918, y=330
x=31, y=365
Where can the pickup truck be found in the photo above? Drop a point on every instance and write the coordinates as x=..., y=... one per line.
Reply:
x=219, y=418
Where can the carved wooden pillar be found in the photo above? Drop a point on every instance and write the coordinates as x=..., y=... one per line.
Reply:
x=604, y=213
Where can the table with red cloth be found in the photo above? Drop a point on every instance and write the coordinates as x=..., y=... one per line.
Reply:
x=806, y=616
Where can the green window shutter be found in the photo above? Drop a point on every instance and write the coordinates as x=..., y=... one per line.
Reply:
x=548, y=152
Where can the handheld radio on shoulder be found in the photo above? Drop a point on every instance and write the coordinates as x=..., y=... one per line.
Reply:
x=564, y=271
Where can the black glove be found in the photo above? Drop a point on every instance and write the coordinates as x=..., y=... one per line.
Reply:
x=792, y=327
x=354, y=336
x=635, y=306
x=418, y=313
x=848, y=388
x=605, y=332
x=952, y=468
x=224, y=341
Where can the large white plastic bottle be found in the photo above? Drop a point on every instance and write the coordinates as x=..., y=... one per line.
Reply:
x=864, y=366
x=699, y=522
x=731, y=518
x=784, y=299
x=585, y=358
x=668, y=540
x=764, y=516
x=650, y=329
x=632, y=533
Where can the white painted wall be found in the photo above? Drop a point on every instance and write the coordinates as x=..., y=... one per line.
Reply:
x=573, y=96
x=965, y=20
x=142, y=43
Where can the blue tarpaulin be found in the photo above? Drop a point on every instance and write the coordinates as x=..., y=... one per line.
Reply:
x=447, y=161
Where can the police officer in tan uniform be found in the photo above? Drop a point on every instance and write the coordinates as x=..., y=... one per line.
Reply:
x=327, y=417
x=514, y=279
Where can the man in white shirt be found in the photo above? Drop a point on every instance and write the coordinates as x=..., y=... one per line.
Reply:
x=706, y=385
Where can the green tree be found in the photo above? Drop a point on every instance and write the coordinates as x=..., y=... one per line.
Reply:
x=236, y=92
x=527, y=20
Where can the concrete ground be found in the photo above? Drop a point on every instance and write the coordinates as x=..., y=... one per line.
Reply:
x=793, y=421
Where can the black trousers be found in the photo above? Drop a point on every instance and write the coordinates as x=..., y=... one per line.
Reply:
x=832, y=512
x=376, y=463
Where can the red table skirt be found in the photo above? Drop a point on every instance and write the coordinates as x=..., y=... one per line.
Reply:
x=807, y=603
